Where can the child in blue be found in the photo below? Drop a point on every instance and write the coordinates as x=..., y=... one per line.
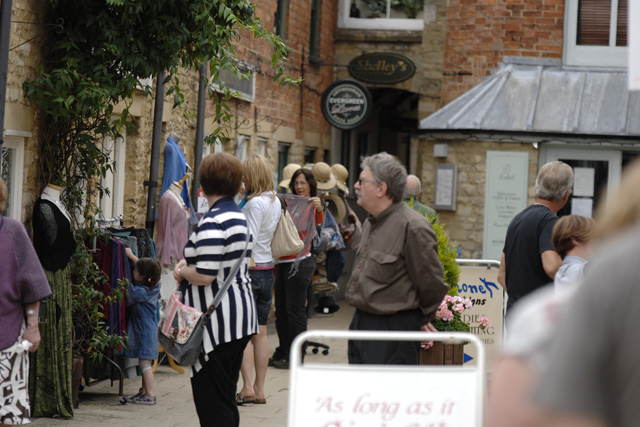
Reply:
x=142, y=325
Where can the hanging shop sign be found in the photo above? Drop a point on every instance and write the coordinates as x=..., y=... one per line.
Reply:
x=382, y=68
x=346, y=104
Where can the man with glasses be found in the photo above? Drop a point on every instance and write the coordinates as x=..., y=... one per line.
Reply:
x=529, y=260
x=397, y=281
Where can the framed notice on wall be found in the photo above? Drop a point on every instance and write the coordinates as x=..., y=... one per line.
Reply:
x=446, y=186
x=507, y=183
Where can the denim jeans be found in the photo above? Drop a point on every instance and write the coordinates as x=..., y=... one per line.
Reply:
x=291, y=301
x=262, y=287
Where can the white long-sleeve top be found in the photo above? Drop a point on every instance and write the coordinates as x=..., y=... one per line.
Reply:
x=263, y=213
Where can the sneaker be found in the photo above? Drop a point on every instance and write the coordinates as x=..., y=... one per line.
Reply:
x=129, y=399
x=144, y=399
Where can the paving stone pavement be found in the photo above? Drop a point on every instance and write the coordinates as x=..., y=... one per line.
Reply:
x=100, y=406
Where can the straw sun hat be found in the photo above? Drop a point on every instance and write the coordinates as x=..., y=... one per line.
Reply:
x=336, y=205
x=342, y=174
x=287, y=173
x=324, y=178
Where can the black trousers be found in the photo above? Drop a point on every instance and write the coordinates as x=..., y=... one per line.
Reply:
x=384, y=352
x=214, y=386
x=291, y=292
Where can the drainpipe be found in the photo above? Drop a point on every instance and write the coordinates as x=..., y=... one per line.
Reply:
x=5, y=32
x=152, y=197
x=202, y=99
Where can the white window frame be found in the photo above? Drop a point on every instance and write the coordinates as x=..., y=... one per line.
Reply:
x=242, y=142
x=245, y=96
x=112, y=204
x=553, y=153
x=144, y=83
x=261, y=146
x=344, y=21
x=596, y=56
x=15, y=141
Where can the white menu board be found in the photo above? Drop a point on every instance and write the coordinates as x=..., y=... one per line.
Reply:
x=507, y=182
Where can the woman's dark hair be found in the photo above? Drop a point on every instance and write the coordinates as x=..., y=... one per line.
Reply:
x=150, y=270
x=308, y=175
x=220, y=175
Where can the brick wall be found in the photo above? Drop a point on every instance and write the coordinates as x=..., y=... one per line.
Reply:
x=480, y=33
x=281, y=113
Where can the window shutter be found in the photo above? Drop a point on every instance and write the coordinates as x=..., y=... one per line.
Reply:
x=593, y=22
x=594, y=18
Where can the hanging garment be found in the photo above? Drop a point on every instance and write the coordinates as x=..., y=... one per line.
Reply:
x=146, y=248
x=304, y=217
x=50, y=377
x=52, y=235
x=175, y=167
x=173, y=226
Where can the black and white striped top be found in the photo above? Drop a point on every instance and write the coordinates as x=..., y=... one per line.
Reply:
x=214, y=248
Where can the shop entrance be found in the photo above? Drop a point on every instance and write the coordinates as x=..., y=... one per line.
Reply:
x=394, y=117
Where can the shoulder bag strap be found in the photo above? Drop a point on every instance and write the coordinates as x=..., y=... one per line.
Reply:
x=227, y=283
x=283, y=202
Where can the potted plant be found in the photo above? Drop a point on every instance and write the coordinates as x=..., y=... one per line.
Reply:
x=449, y=319
x=449, y=314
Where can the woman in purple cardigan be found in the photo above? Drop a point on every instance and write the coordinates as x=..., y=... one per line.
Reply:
x=23, y=285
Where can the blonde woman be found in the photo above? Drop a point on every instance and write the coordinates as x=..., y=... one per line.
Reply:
x=262, y=209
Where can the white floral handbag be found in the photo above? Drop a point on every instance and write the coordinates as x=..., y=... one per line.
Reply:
x=180, y=331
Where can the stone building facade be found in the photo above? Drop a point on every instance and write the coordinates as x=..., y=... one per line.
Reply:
x=20, y=149
x=526, y=77
x=465, y=225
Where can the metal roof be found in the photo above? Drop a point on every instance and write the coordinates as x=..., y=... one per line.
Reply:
x=545, y=97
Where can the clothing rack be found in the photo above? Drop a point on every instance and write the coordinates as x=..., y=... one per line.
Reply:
x=106, y=222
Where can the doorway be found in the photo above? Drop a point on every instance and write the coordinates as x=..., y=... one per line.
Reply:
x=596, y=172
x=389, y=128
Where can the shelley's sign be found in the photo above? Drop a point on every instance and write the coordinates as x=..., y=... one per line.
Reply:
x=383, y=68
x=346, y=104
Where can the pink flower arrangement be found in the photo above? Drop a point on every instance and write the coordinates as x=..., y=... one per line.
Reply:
x=449, y=314
x=484, y=322
x=449, y=317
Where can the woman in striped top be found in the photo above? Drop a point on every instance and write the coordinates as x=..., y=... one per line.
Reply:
x=211, y=252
